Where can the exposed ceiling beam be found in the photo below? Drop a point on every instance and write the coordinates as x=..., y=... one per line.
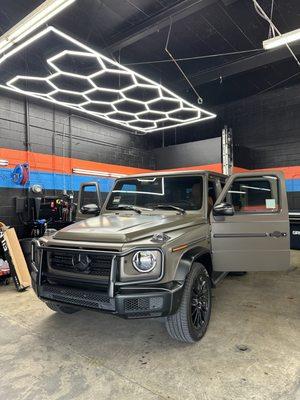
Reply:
x=245, y=65
x=157, y=22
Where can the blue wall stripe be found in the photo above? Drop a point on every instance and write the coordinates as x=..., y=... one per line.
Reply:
x=292, y=185
x=56, y=181
x=53, y=181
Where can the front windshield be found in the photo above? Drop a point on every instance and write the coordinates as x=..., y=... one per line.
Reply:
x=185, y=192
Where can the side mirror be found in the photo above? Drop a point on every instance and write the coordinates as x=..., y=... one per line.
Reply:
x=223, y=209
x=90, y=209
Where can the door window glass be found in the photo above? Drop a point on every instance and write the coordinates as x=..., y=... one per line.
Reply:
x=254, y=195
x=211, y=195
x=89, y=195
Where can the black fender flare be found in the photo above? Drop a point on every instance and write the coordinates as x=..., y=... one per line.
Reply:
x=187, y=261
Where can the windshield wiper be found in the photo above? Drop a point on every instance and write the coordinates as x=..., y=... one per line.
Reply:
x=128, y=207
x=169, y=207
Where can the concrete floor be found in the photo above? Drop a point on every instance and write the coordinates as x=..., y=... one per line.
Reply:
x=90, y=356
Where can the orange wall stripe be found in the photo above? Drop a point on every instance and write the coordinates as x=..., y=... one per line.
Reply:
x=58, y=164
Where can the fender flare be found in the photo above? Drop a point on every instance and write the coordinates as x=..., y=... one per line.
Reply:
x=187, y=261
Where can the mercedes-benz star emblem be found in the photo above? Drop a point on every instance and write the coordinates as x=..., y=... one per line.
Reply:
x=81, y=262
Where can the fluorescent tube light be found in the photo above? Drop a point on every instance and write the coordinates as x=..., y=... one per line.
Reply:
x=32, y=21
x=96, y=173
x=282, y=40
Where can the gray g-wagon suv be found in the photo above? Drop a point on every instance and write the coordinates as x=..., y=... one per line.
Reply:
x=160, y=242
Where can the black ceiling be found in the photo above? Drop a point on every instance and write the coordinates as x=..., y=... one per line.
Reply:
x=199, y=28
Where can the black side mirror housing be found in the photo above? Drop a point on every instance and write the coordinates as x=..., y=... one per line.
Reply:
x=90, y=209
x=225, y=209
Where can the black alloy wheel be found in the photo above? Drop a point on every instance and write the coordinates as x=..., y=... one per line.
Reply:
x=200, y=302
x=190, y=322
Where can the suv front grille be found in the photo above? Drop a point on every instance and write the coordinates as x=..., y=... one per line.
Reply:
x=81, y=263
x=78, y=297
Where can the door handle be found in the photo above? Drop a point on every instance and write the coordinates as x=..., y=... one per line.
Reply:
x=277, y=234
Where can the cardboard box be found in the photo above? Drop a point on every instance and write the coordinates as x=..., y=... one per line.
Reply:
x=14, y=256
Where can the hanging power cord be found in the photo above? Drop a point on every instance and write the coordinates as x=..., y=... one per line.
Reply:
x=273, y=27
x=202, y=57
x=279, y=83
x=199, y=98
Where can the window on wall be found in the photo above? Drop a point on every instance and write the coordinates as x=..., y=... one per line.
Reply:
x=254, y=195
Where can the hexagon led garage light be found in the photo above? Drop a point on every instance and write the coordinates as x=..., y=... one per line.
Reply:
x=82, y=79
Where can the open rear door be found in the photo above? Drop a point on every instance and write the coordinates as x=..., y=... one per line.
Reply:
x=254, y=234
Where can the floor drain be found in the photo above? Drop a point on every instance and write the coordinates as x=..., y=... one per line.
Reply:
x=242, y=347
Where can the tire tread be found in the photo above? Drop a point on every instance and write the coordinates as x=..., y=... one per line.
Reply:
x=177, y=324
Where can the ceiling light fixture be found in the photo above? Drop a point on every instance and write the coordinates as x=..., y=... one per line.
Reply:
x=282, y=40
x=80, y=171
x=274, y=30
x=85, y=80
x=32, y=21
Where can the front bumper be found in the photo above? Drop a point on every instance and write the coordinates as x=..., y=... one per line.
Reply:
x=128, y=302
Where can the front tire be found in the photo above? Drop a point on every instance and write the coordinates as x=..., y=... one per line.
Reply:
x=190, y=322
x=61, y=309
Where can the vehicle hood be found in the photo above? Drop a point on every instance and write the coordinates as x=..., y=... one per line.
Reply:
x=124, y=228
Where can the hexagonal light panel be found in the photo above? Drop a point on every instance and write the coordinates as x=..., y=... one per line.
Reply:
x=67, y=97
x=113, y=80
x=164, y=105
x=84, y=80
x=99, y=108
x=130, y=106
x=143, y=124
x=76, y=63
x=33, y=85
x=103, y=96
x=143, y=92
x=120, y=116
x=184, y=114
x=73, y=84
x=151, y=116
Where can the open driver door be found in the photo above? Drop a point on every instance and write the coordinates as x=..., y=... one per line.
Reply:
x=250, y=224
x=89, y=200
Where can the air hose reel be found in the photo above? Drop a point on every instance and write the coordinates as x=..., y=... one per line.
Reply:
x=20, y=174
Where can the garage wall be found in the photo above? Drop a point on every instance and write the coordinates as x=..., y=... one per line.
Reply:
x=266, y=131
x=268, y=126
x=55, y=131
x=54, y=142
x=200, y=153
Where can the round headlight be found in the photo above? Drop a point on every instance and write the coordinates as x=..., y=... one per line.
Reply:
x=144, y=261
